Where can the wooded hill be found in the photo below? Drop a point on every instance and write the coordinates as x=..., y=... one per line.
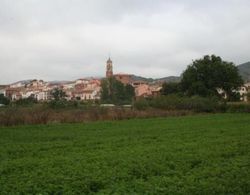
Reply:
x=244, y=70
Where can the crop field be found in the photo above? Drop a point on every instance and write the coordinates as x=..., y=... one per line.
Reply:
x=202, y=154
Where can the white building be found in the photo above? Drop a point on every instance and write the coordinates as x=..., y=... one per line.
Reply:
x=42, y=95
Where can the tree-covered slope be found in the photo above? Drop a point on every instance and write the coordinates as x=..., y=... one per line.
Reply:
x=244, y=70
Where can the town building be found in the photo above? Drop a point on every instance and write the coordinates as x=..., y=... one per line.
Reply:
x=109, y=68
x=83, y=89
x=124, y=78
x=142, y=88
x=13, y=93
x=243, y=91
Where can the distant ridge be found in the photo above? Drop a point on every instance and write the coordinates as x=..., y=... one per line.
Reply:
x=58, y=82
x=169, y=79
x=164, y=79
x=140, y=78
x=23, y=81
x=244, y=70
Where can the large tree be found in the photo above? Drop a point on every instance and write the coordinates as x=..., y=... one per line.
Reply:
x=58, y=94
x=170, y=88
x=113, y=91
x=205, y=76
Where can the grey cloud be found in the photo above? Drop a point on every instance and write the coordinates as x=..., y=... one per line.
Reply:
x=68, y=39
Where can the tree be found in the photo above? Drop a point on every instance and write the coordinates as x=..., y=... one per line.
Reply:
x=170, y=88
x=4, y=100
x=205, y=76
x=105, y=91
x=58, y=100
x=113, y=91
x=58, y=94
x=129, y=92
x=27, y=101
x=118, y=91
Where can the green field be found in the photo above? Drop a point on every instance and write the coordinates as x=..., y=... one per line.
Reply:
x=204, y=154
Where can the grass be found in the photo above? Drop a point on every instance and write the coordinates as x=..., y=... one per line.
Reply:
x=204, y=154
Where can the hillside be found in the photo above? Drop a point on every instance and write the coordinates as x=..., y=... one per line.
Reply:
x=244, y=70
x=164, y=79
x=140, y=78
x=169, y=79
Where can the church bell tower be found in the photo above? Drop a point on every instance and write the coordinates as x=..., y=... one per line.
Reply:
x=109, y=68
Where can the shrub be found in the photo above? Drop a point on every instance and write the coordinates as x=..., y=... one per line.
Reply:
x=239, y=107
x=55, y=104
x=200, y=104
x=141, y=104
x=176, y=102
x=26, y=101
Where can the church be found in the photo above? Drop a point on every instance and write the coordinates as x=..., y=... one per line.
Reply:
x=124, y=78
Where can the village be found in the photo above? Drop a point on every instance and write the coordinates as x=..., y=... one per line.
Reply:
x=80, y=89
x=89, y=89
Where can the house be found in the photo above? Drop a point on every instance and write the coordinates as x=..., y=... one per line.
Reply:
x=42, y=95
x=35, y=84
x=86, y=93
x=243, y=91
x=13, y=93
x=124, y=78
x=156, y=90
x=81, y=81
x=143, y=91
x=138, y=83
x=69, y=85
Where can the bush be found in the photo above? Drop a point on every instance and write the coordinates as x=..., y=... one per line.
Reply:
x=200, y=104
x=65, y=104
x=175, y=102
x=26, y=101
x=238, y=107
x=24, y=115
x=141, y=104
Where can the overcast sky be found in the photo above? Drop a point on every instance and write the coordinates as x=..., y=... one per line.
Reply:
x=70, y=39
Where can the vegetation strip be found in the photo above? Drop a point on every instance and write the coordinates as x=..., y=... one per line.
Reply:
x=205, y=154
